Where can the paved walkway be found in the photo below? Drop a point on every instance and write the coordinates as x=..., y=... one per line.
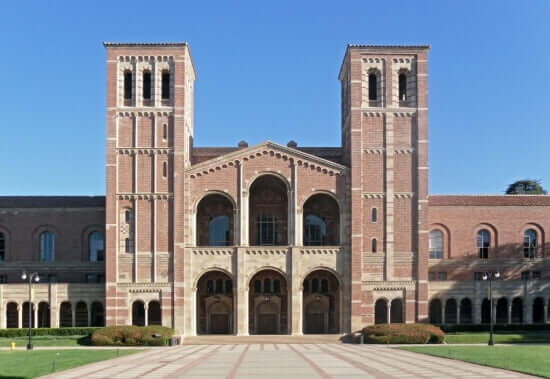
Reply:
x=282, y=361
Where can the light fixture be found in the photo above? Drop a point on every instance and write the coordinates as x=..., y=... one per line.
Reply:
x=24, y=275
x=37, y=278
x=485, y=277
x=497, y=274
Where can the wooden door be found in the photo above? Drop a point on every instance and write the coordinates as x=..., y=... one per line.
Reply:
x=267, y=323
x=219, y=323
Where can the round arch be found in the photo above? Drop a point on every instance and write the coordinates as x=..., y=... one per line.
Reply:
x=214, y=302
x=321, y=302
x=213, y=192
x=7, y=241
x=264, y=268
x=446, y=238
x=540, y=237
x=321, y=192
x=268, y=302
x=218, y=207
x=205, y=271
x=493, y=231
x=321, y=215
x=324, y=268
x=257, y=176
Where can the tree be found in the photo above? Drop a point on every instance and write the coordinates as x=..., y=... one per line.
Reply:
x=526, y=187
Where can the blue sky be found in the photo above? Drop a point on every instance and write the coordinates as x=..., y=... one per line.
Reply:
x=268, y=70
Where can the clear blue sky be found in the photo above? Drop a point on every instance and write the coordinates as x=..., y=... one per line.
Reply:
x=268, y=70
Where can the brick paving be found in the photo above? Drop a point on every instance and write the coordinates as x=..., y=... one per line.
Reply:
x=282, y=361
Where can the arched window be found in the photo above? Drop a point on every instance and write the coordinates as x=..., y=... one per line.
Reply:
x=530, y=243
x=436, y=244
x=483, y=242
x=47, y=247
x=127, y=85
x=373, y=215
x=267, y=230
x=218, y=231
x=146, y=85
x=164, y=169
x=315, y=231
x=373, y=86
x=402, y=86
x=126, y=233
x=2, y=247
x=96, y=247
x=165, y=90
x=374, y=246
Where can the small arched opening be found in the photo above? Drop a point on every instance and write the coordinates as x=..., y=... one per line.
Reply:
x=215, y=303
x=321, y=299
x=381, y=311
x=396, y=311
x=321, y=221
x=485, y=311
x=43, y=315
x=138, y=313
x=538, y=310
x=154, y=314
x=435, y=311
x=268, y=303
x=502, y=311
x=98, y=314
x=65, y=315
x=517, y=310
x=215, y=221
x=450, y=311
x=466, y=311
x=12, y=315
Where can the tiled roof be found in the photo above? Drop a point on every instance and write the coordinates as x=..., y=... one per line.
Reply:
x=489, y=200
x=52, y=202
x=144, y=44
x=352, y=45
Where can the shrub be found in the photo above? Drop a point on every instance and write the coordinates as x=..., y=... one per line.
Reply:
x=132, y=336
x=403, y=334
x=12, y=333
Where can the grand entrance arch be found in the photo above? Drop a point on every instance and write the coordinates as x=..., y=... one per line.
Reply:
x=215, y=303
x=321, y=303
x=268, y=303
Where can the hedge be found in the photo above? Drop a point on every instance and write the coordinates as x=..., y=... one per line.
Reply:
x=23, y=332
x=403, y=334
x=132, y=336
x=465, y=328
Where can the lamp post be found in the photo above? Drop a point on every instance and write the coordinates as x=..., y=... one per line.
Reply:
x=490, y=276
x=33, y=276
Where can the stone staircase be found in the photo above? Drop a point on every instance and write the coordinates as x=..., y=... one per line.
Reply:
x=264, y=339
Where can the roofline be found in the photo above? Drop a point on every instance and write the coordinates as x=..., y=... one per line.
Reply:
x=288, y=150
x=379, y=47
x=144, y=44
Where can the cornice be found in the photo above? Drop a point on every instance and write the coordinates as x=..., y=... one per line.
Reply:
x=271, y=149
x=144, y=150
x=141, y=112
x=144, y=196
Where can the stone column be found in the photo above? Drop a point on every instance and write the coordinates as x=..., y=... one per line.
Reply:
x=509, y=312
x=494, y=315
x=19, y=316
x=35, y=313
x=73, y=314
x=296, y=293
x=545, y=312
x=242, y=294
x=457, y=312
x=243, y=208
x=146, y=309
x=443, y=303
x=89, y=307
x=389, y=312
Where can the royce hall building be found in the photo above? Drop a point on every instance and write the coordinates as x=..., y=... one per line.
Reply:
x=271, y=239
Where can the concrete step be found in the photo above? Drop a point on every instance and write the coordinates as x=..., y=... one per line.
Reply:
x=263, y=339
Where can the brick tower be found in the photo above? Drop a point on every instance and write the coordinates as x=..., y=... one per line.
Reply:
x=384, y=138
x=149, y=134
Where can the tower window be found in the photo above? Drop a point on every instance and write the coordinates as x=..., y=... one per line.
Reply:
x=164, y=131
x=47, y=247
x=374, y=215
x=402, y=87
x=127, y=85
x=165, y=91
x=147, y=85
x=374, y=246
x=2, y=247
x=435, y=243
x=127, y=216
x=127, y=245
x=373, y=87
x=164, y=169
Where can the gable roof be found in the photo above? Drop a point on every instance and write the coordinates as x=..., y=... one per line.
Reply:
x=488, y=200
x=265, y=148
x=52, y=201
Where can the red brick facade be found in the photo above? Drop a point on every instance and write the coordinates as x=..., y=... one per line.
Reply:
x=235, y=239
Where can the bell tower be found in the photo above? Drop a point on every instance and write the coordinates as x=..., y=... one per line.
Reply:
x=149, y=137
x=385, y=142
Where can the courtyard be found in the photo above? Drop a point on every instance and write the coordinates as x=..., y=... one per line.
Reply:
x=282, y=360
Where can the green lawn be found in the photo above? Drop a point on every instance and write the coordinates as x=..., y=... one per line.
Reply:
x=533, y=360
x=30, y=364
x=500, y=337
x=45, y=341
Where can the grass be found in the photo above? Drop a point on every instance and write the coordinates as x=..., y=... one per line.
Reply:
x=533, y=360
x=500, y=337
x=30, y=364
x=46, y=341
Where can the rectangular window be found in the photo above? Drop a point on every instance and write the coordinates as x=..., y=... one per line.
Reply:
x=431, y=276
x=52, y=278
x=2, y=248
x=3, y=279
x=164, y=131
x=147, y=85
x=127, y=85
x=535, y=275
x=219, y=286
x=164, y=169
x=228, y=286
x=165, y=91
x=441, y=276
x=276, y=286
x=258, y=286
x=127, y=245
x=525, y=275
x=209, y=287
